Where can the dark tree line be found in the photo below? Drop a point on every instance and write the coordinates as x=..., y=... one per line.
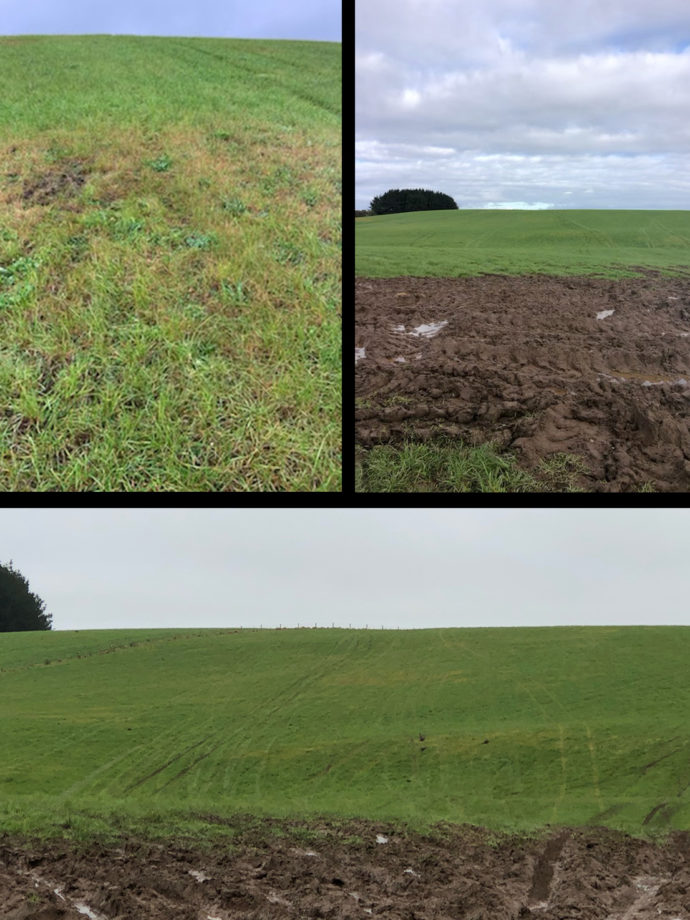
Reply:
x=397, y=200
x=20, y=608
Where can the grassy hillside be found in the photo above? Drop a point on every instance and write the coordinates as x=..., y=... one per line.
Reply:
x=170, y=272
x=454, y=243
x=504, y=727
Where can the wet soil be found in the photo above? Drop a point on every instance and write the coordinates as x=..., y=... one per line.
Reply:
x=526, y=363
x=353, y=871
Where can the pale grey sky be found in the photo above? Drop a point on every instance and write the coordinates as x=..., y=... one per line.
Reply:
x=525, y=103
x=108, y=569
x=314, y=20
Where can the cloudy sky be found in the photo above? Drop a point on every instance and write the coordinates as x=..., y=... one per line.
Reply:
x=313, y=20
x=99, y=569
x=525, y=103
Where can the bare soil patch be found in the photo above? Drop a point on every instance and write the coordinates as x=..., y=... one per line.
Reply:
x=353, y=871
x=63, y=181
x=542, y=365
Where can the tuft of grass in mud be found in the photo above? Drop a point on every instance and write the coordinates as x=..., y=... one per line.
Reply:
x=446, y=465
x=170, y=265
x=181, y=733
x=605, y=243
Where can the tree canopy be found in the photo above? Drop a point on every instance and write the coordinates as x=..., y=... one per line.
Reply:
x=20, y=608
x=396, y=201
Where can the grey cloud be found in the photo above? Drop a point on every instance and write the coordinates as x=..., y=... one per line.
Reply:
x=497, y=81
x=409, y=568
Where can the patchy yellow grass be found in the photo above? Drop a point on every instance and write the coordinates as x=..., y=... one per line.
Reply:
x=171, y=312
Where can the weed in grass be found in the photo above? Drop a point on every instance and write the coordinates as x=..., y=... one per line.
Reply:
x=161, y=163
x=235, y=293
x=201, y=240
x=234, y=206
x=288, y=254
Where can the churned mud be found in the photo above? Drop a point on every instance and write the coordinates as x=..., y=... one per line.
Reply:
x=352, y=872
x=541, y=365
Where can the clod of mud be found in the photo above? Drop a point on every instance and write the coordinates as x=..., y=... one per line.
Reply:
x=563, y=874
x=62, y=181
x=536, y=364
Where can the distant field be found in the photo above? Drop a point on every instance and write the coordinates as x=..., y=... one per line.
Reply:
x=170, y=264
x=454, y=243
x=165, y=731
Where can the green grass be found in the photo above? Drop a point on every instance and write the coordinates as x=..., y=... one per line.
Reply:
x=450, y=466
x=170, y=264
x=174, y=731
x=455, y=243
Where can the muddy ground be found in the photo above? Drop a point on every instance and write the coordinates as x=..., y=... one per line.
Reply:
x=540, y=365
x=353, y=871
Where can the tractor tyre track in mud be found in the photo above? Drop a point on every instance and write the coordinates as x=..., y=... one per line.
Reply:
x=597, y=368
x=318, y=869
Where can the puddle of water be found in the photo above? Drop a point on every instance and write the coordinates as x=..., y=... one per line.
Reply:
x=604, y=313
x=429, y=330
x=360, y=354
x=426, y=330
x=199, y=876
x=88, y=911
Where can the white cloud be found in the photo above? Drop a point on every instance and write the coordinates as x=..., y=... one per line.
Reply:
x=518, y=206
x=593, y=83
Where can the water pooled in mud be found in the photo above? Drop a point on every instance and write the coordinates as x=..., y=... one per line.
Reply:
x=429, y=330
x=89, y=911
x=425, y=330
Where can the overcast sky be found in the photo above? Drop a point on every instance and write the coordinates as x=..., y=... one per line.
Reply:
x=314, y=20
x=107, y=569
x=525, y=103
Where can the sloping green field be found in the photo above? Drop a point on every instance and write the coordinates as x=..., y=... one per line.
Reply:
x=170, y=264
x=509, y=728
x=455, y=243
